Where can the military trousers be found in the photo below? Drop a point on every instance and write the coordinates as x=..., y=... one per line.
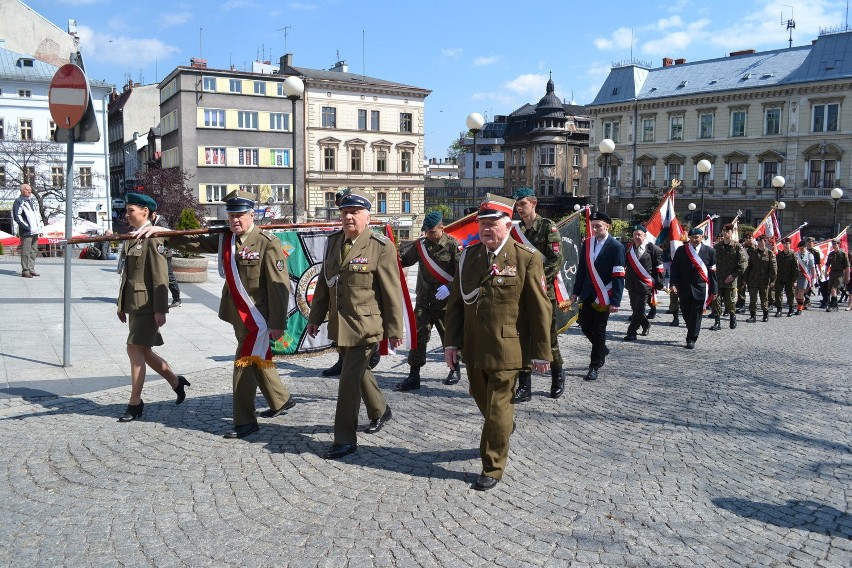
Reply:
x=726, y=297
x=638, y=301
x=357, y=382
x=426, y=318
x=782, y=288
x=246, y=382
x=555, y=353
x=492, y=392
x=593, y=323
x=753, y=294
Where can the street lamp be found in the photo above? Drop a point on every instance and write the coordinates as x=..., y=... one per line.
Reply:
x=475, y=122
x=607, y=147
x=778, y=183
x=691, y=208
x=577, y=207
x=630, y=209
x=293, y=88
x=781, y=206
x=703, y=169
x=836, y=194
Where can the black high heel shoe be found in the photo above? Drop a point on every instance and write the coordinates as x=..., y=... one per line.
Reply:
x=133, y=412
x=181, y=393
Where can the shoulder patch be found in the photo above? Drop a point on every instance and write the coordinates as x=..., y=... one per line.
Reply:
x=381, y=238
x=161, y=249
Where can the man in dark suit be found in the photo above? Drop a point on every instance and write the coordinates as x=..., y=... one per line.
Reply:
x=599, y=286
x=693, y=279
x=644, y=278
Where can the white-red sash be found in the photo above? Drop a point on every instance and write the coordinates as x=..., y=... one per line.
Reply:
x=643, y=275
x=256, y=348
x=803, y=268
x=559, y=287
x=434, y=269
x=597, y=281
x=702, y=272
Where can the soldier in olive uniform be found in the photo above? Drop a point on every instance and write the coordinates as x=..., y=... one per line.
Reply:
x=257, y=309
x=731, y=264
x=143, y=302
x=749, y=245
x=760, y=275
x=498, y=317
x=785, y=278
x=436, y=255
x=542, y=234
x=359, y=290
x=837, y=266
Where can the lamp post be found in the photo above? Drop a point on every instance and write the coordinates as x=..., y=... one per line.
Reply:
x=691, y=208
x=475, y=122
x=704, y=167
x=293, y=88
x=630, y=211
x=577, y=207
x=781, y=206
x=778, y=183
x=836, y=194
x=607, y=147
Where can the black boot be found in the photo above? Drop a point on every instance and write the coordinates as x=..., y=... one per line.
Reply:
x=791, y=311
x=753, y=318
x=675, y=321
x=765, y=316
x=557, y=382
x=733, y=323
x=524, y=392
x=652, y=313
x=718, y=325
x=778, y=312
x=453, y=377
x=411, y=382
x=133, y=412
x=334, y=370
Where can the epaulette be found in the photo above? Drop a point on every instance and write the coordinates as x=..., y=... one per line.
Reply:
x=381, y=238
x=269, y=236
x=527, y=248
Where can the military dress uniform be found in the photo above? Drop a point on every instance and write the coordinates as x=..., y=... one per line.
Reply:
x=760, y=275
x=785, y=279
x=731, y=260
x=143, y=290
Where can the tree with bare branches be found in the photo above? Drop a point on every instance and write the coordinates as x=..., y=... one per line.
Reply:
x=40, y=163
x=170, y=188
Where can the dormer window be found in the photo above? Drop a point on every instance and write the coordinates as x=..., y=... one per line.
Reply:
x=26, y=62
x=615, y=91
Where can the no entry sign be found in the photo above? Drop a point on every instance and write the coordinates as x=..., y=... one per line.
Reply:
x=68, y=96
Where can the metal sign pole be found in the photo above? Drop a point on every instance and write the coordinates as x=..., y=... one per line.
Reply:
x=69, y=188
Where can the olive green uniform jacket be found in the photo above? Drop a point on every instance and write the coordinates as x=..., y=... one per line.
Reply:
x=544, y=236
x=731, y=260
x=144, y=287
x=762, y=268
x=445, y=253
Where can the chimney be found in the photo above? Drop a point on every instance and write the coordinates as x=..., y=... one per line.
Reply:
x=680, y=61
x=340, y=67
x=742, y=52
x=668, y=61
x=286, y=62
x=198, y=63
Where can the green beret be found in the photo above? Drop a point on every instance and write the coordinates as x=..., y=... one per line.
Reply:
x=140, y=200
x=431, y=220
x=695, y=231
x=522, y=192
x=639, y=228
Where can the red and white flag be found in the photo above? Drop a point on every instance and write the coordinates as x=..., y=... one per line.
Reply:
x=410, y=339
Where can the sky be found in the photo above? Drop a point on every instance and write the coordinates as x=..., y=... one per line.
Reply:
x=487, y=57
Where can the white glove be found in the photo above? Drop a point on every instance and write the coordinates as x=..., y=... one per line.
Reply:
x=442, y=292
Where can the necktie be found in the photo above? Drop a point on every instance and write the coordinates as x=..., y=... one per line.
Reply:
x=347, y=246
x=490, y=258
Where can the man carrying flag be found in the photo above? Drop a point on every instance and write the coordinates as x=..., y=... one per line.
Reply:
x=644, y=278
x=693, y=279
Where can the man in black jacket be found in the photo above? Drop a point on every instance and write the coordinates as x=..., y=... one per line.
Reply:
x=644, y=277
x=693, y=279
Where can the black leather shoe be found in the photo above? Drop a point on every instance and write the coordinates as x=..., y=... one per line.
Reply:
x=484, y=483
x=765, y=316
x=733, y=323
x=690, y=345
x=716, y=326
x=591, y=375
x=269, y=413
x=752, y=319
x=603, y=357
x=778, y=313
x=630, y=337
x=646, y=331
x=339, y=450
x=409, y=384
x=334, y=370
x=652, y=313
x=242, y=431
x=181, y=393
x=524, y=391
x=453, y=377
x=379, y=423
x=133, y=412
x=675, y=322
x=557, y=385
x=375, y=357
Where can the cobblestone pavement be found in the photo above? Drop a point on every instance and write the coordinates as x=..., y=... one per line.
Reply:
x=735, y=454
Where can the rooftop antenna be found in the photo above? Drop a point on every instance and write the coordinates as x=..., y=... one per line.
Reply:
x=364, y=53
x=285, y=29
x=791, y=23
x=201, y=43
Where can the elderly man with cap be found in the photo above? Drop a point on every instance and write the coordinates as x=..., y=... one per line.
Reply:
x=498, y=321
x=436, y=254
x=644, y=277
x=541, y=234
x=837, y=266
x=785, y=277
x=599, y=286
x=26, y=212
x=693, y=279
x=359, y=291
x=255, y=300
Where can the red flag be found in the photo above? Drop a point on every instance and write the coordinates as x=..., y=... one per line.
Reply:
x=465, y=230
x=407, y=309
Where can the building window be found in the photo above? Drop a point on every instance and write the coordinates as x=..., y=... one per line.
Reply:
x=247, y=120
x=676, y=128
x=169, y=122
x=406, y=202
x=576, y=162
x=25, y=129
x=738, y=123
x=259, y=87
x=2, y=129
x=489, y=164
x=405, y=124
x=381, y=161
x=85, y=176
x=821, y=173
x=825, y=118
x=57, y=176
x=374, y=120
x=648, y=125
x=362, y=119
x=382, y=202
x=546, y=186
x=328, y=159
x=547, y=156
x=281, y=193
x=216, y=192
x=523, y=159
x=279, y=158
x=772, y=122
x=25, y=93
x=248, y=156
x=28, y=174
x=235, y=85
x=214, y=156
x=612, y=130
x=279, y=121
x=329, y=117
x=209, y=84
x=405, y=162
x=329, y=200
x=51, y=128
x=646, y=175
x=514, y=157
x=770, y=170
x=214, y=118
x=2, y=176
x=705, y=125
x=675, y=172
x=736, y=175
x=355, y=159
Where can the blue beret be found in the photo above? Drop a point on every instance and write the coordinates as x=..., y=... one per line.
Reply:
x=239, y=202
x=431, y=220
x=522, y=192
x=355, y=198
x=140, y=200
x=695, y=231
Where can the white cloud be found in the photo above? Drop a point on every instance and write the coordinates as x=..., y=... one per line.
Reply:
x=665, y=23
x=677, y=41
x=122, y=50
x=482, y=61
x=175, y=19
x=301, y=6
x=452, y=52
x=620, y=39
x=529, y=84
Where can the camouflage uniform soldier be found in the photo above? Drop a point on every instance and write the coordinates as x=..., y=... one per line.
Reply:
x=785, y=278
x=731, y=263
x=544, y=236
x=437, y=256
x=760, y=276
x=749, y=245
x=837, y=266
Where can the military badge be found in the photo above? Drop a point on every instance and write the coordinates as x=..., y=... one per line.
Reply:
x=279, y=264
x=509, y=270
x=494, y=270
x=543, y=285
x=161, y=249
